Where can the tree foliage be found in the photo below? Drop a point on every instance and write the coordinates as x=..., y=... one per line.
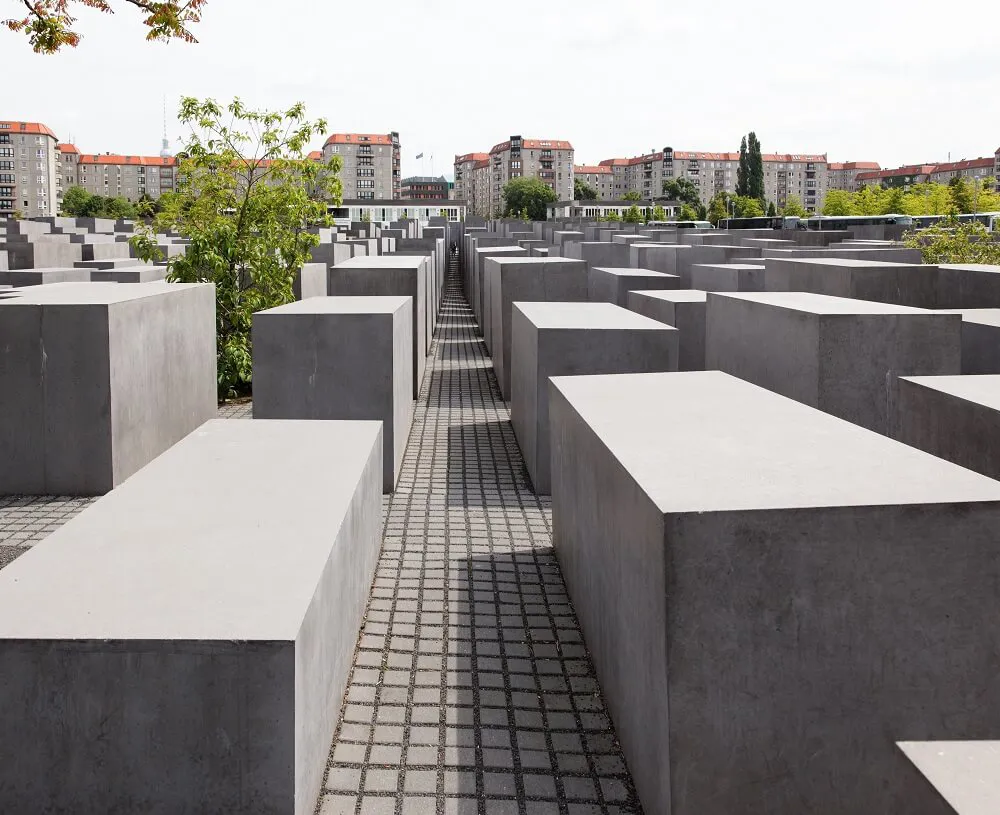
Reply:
x=793, y=207
x=957, y=197
x=743, y=171
x=633, y=215
x=746, y=207
x=659, y=213
x=631, y=195
x=718, y=208
x=247, y=197
x=79, y=203
x=683, y=190
x=755, y=168
x=772, y=210
x=528, y=194
x=688, y=213
x=582, y=191
x=49, y=24
x=950, y=241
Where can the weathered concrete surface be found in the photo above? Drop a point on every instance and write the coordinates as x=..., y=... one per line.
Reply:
x=183, y=645
x=839, y=355
x=338, y=358
x=612, y=285
x=684, y=310
x=770, y=595
x=901, y=284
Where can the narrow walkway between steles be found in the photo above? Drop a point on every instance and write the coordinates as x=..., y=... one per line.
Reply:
x=471, y=691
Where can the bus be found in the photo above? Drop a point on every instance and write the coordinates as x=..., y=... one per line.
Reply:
x=824, y=222
x=772, y=222
x=686, y=224
x=991, y=220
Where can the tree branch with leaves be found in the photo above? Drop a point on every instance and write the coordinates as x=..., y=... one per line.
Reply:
x=50, y=24
x=249, y=199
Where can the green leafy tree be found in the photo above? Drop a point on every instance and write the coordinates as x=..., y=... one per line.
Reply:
x=870, y=200
x=75, y=201
x=718, y=208
x=631, y=195
x=659, y=213
x=743, y=171
x=747, y=207
x=929, y=199
x=838, y=202
x=793, y=207
x=582, y=191
x=893, y=202
x=632, y=215
x=49, y=24
x=528, y=194
x=755, y=168
x=688, y=213
x=772, y=210
x=119, y=208
x=683, y=190
x=950, y=241
x=961, y=195
x=244, y=203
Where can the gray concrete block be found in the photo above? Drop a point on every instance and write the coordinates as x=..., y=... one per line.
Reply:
x=480, y=293
x=711, y=254
x=41, y=277
x=310, y=281
x=684, y=310
x=43, y=255
x=130, y=274
x=97, y=379
x=598, y=253
x=184, y=644
x=968, y=286
x=901, y=284
x=658, y=257
x=956, y=418
x=841, y=356
x=727, y=277
x=530, y=279
x=564, y=339
x=980, y=340
x=339, y=358
x=964, y=773
x=382, y=275
x=612, y=285
x=771, y=596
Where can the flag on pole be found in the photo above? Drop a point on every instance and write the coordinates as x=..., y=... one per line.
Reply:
x=420, y=155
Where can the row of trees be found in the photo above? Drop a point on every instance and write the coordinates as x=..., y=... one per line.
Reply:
x=959, y=197
x=78, y=203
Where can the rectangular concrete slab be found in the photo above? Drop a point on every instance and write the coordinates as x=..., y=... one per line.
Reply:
x=563, y=339
x=965, y=773
x=953, y=417
x=727, y=277
x=386, y=275
x=181, y=646
x=534, y=279
x=612, y=285
x=903, y=284
x=771, y=596
x=683, y=309
x=97, y=379
x=339, y=358
x=839, y=355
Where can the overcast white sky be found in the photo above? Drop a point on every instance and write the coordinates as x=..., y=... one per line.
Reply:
x=890, y=82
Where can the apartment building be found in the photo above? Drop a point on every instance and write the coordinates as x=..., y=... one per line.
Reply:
x=68, y=169
x=843, y=175
x=371, y=164
x=128, y=177
x=996, y=168
x=29, y=169
x=619, y=176
x=550, y=160
x=424, y=188
x=481, y=194
x=976, y=169
x=903, y=177
x=464, y=167
x=598, y=176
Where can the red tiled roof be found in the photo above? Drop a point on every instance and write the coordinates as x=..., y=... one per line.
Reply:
x=964, y=164
x=67, y=148
x=316, y=155
x=592, y=169
x=645, y=158
x=471, y=157
x=485, y=162
x=32, y=128
x=791, y=157
x=614, y=162
x=853, y=165
x=358, y=138
x=108, y=158
x=681, y=154
x=533, y=144
x=912, y=169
